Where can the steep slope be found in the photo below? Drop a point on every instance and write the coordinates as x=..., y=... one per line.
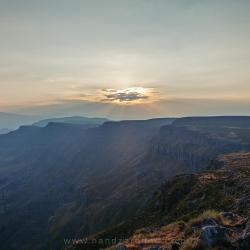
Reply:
x=189, y=212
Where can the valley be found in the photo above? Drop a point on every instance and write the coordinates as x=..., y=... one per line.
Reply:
x=76, y=180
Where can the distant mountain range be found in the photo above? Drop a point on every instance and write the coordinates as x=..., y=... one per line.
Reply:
x=72, y=120
x=9, y=121
x=75, y=180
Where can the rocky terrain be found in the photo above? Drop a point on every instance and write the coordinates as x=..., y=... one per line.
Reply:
x=209, y=210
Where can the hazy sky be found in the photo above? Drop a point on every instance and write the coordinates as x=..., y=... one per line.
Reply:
x=125, y=58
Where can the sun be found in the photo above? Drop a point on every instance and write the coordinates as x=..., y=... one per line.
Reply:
x=140, y=90
x=132, y=95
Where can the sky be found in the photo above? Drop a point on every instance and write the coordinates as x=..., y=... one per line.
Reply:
x=125, y=59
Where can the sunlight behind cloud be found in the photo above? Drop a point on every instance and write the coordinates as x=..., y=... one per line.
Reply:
x=131, y=95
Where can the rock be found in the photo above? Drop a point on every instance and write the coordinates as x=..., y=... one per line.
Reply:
x=231, y=219
x=208, y=222
x=176, y=246
x=211, y=235
x=155, y=248
x=204, y=223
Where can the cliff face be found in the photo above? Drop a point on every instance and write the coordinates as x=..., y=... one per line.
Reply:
x=191, y=147
x=195, y=141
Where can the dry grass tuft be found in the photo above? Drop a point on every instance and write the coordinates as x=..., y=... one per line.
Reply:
x=191, y=243
x=205, y=215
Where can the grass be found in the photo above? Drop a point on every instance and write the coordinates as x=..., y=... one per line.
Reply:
x=191, y=243
x=205, y=215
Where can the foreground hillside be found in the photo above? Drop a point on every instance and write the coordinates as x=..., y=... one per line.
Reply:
x=198, y=211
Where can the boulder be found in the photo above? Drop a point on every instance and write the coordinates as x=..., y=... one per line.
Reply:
x=208, y=222
x=176, y=246
x=155, y=248
x=211, y=235
x=231, y=219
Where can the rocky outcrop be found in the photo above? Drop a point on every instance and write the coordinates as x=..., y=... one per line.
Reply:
x=203, y=232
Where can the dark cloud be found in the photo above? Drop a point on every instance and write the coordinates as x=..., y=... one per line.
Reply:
x=124, y=96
